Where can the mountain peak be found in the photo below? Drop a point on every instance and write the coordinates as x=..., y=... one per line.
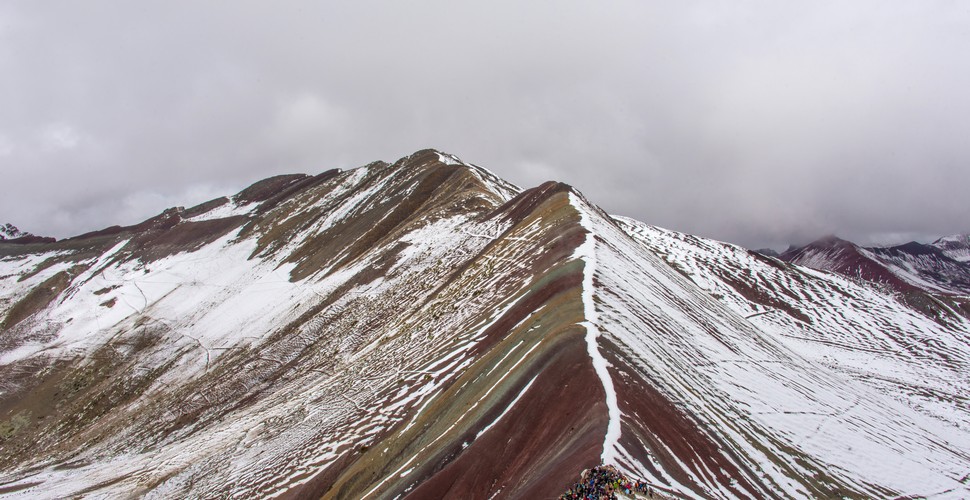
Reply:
x=826, y=252
x=956, y=247
x=963, y=238
x=830, y=241
x=916, y=248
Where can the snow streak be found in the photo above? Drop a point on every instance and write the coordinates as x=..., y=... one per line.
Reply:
x=587, y=253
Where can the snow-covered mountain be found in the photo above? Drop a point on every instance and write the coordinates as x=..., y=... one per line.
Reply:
x=424, y=329
x=956, y=247
x=9, y=233
x=911, y=266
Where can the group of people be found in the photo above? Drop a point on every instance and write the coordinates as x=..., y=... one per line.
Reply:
x=603, y=483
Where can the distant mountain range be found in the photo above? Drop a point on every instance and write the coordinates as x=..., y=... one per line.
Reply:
x=424, y=329
x=939, y=267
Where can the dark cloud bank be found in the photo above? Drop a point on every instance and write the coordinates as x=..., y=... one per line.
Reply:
x=760, y=123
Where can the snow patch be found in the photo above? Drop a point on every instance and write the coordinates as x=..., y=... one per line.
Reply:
x=228, y=209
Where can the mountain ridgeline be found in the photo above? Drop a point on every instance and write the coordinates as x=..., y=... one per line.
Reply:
x=941, y=267
x=424, y=329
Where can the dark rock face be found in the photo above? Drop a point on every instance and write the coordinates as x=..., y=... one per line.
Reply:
x=423, y=329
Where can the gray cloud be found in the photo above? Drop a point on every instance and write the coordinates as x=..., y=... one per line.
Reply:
x=760, y=123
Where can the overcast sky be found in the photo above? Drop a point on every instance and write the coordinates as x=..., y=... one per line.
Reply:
x=759, y=123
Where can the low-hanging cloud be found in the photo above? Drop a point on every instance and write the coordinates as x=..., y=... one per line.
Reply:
x=761, y=123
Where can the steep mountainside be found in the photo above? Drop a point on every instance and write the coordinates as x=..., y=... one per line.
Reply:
x=424, y=329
